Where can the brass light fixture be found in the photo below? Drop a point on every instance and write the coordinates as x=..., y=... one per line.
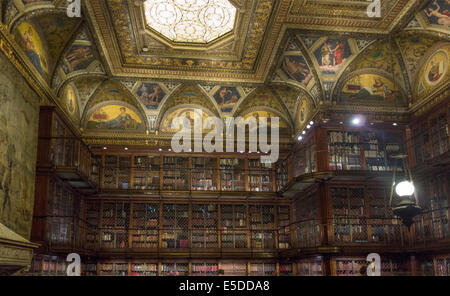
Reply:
x=407, y=204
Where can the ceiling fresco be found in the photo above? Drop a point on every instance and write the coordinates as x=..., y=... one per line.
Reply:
x=127, y=66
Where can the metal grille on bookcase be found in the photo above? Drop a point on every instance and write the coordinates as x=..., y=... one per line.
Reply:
x=204, y=173
x=110, y=172
x=176, y=173
x=284, y=233
x=174, y=269
x=145, y=225
x=235, y=269
x=234, y=226
x=114, y=269
x=204, y=226
x=262, y=225
x=175, y=228
x=350, y=267
x=115, y=225
x=232, y=172
x=146, y=172
x=144, y=269
x=205, y=269
x=263, y=269
x=344, y=150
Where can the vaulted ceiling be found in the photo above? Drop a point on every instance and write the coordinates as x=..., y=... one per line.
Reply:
x=287, y=57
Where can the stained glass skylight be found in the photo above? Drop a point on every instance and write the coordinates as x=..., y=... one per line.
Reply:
x=194, y=21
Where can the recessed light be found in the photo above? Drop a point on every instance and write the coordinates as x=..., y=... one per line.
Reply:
x=395, y=124
x=126, y=148
x=311, y=122
x=104, y=148
x=300, y=138
x=341, y=122
x=356, y=121
x=308, y=126
x=160, y=149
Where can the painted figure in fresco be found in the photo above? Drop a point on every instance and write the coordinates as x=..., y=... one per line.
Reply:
x=326, y=54
x=31, y=51
x=380, y=87
x=295, y=69
x=338, y=53
x=443, y=18
x=151, y=96
x=435, y=72
x=122, y=121
x=79, y=56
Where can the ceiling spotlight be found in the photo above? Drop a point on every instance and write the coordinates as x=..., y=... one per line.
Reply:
x=104, y=148
x=170, y=150
x=308, y=126
x=303, y=132
x=395, y=124
x=341, y=122
x=311, y=122
x=300, y=138
x=126, y=148
x=145, y=49
x=160, y=149
x=372, y=123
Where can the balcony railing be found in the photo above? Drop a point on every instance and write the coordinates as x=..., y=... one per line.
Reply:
x=186, y=179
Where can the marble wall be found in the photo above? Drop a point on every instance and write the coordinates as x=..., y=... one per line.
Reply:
x=19, y=113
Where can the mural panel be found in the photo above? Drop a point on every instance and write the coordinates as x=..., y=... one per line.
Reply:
x=296, y=68
x=115, y=118
x=33, y=47
x=226, y=98
x=186, y=112
x=434, y=71
x=79, y=57
x=283, y=127
x=438, y=13
x=151, y=95
x=71, y=100
x=331, y=54
x=370, y=88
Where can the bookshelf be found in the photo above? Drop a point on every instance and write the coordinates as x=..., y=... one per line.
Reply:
x=263, y=269
x=89, y=269
x=344, y=150
x=234, y=226
x=117, y=172
x=232, y=174
x=175, y=225
x=284, y=219
x=145, y=230
x=286, y=269
x=235, y=269
x=350, y=267
x=175, y=173
x=204, y=221
x=146, y=172
x=175, y=269
x=443, y=265
x=115, y=225
x=379, y=147
x=204, y=174
x=310, y=267
x=282, y=174
x=144, y=269
x=349, y=214
x=262, y=224
x=204, y=269
x=114, y=269
x=259, y=176
x=92, y=209
x=305, y=158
